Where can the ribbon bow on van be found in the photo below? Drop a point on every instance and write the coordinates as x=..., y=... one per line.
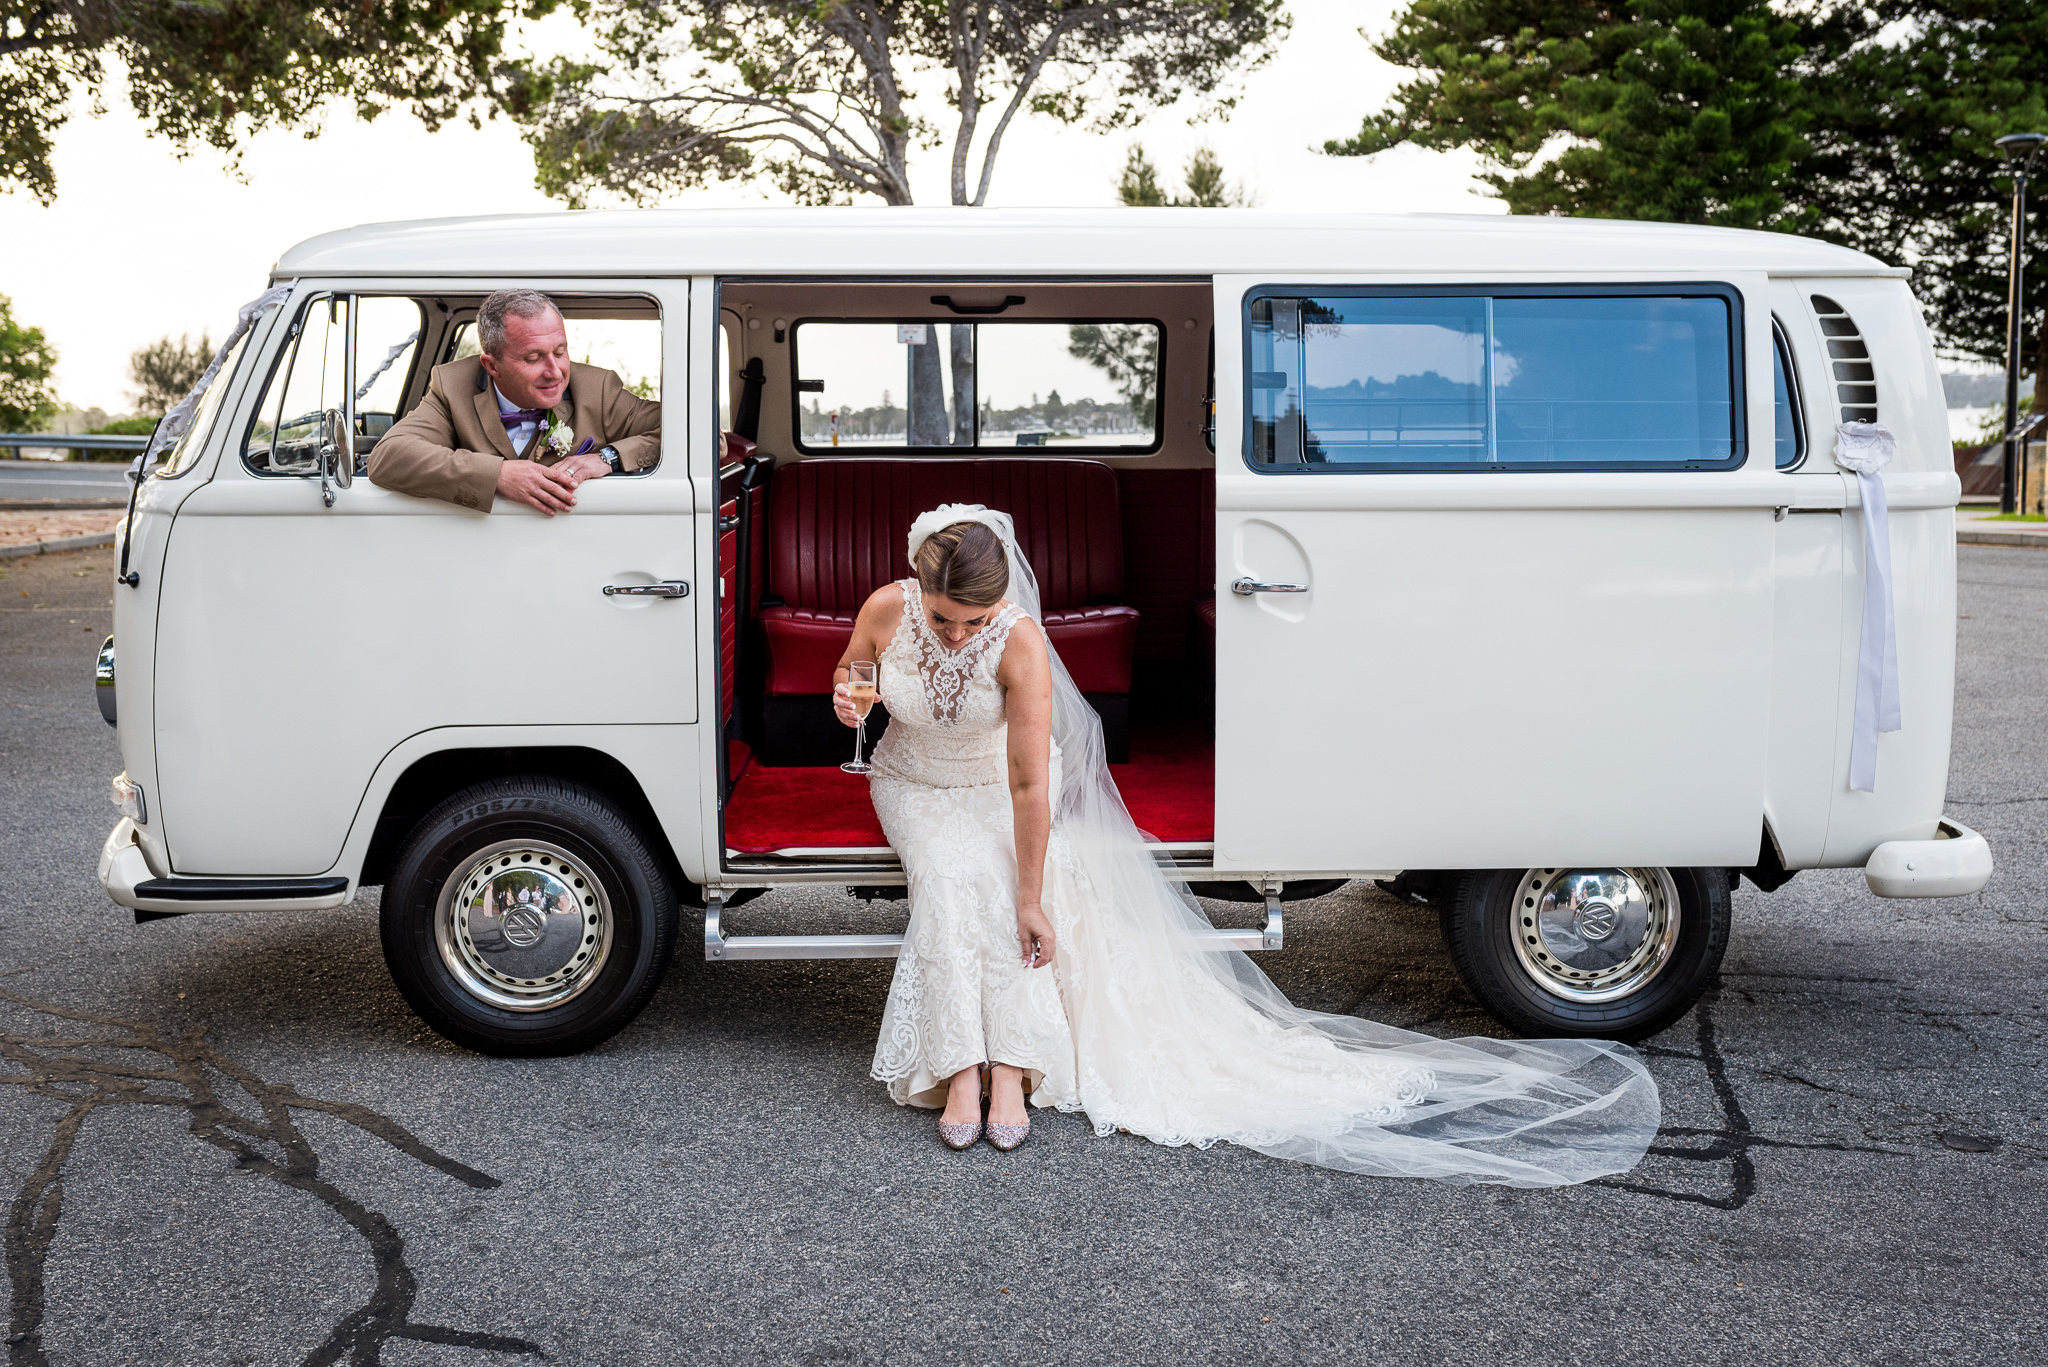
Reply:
x=1866, y=448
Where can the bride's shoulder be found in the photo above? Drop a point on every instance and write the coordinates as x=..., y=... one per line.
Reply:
x=885, y=604
x=1026, y=640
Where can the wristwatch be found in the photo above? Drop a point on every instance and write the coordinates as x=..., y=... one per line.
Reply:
x=610, y=456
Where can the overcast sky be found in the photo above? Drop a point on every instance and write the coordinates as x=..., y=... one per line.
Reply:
x=141, y=244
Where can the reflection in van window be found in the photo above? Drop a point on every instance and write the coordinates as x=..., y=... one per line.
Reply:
x=1791, y=432
x=896, y=385
x=1504, y=381
x=288, y=431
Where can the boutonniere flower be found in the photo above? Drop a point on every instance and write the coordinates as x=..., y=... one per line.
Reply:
x=561, y=438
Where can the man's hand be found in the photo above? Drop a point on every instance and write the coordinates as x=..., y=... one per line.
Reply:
x=589, y=465
x=539, y=486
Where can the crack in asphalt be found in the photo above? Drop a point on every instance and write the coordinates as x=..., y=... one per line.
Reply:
x=54, y=1067
x=1733, y=1140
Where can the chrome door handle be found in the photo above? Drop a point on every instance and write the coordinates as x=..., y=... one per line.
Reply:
x=1246, y=586
x=667, y=588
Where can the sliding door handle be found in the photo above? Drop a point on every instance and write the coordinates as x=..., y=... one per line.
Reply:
x=667, y=588
x=1246, y=586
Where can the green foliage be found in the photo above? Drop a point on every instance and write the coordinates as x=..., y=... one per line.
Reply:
x=126, y=427
x=27, y=360
x=165, y=371
x=1668, y=110
x=1139, y=185
x=215, y=71
x=814, y=100
x=1128, y=354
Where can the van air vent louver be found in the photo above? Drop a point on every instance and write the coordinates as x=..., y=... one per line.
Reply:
x=1855, y=381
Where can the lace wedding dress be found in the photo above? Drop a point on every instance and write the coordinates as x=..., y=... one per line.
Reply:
x=1143, y=1020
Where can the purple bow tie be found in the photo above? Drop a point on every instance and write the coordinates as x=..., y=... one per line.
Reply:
x=520, y=415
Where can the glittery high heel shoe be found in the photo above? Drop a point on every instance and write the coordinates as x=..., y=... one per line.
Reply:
x=965, y=1136
x=1007, y=1137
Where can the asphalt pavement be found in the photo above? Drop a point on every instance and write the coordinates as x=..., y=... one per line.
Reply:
x=69, y=479
x=280, y=1164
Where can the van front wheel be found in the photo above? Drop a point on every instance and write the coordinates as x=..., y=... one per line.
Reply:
x=1588, y=953
x=527, y=917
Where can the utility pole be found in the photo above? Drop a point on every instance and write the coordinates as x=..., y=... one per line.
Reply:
x=2019, y=150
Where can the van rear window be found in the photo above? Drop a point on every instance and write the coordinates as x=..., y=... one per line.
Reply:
x=888, y=386
x=1407, y=380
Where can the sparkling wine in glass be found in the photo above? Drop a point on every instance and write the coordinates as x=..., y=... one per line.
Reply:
x=860, y=687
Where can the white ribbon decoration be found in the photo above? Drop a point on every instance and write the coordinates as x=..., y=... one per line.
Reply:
x=389, y=357
x=1866, y=448
x=178, y=419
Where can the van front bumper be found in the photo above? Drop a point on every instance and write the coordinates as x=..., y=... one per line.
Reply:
x=126, y=875
x=1956, y=863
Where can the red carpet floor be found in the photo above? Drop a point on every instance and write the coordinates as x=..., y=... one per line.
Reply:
x=1169, y=787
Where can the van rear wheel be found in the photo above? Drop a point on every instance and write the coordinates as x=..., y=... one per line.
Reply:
x=527, y=917
x=1587, y=953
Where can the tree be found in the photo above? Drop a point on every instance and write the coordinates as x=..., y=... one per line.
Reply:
x=1669, y=110
x=215, y=71
x=1128, y=354
x=1139, y=185
x=817, y=99
x=165, y=371
x=1904, y=164
x=27, y=361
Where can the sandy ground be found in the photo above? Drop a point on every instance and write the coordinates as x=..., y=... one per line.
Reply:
x=18, y=529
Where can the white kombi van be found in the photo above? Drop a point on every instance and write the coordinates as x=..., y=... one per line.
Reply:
x=1506, y=560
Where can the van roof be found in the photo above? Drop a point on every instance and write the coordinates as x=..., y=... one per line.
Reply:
x=965, y=243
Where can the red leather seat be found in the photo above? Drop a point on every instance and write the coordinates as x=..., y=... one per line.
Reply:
x=837, y=531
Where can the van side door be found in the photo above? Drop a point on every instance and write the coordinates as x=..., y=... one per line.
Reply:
x=1494, y=570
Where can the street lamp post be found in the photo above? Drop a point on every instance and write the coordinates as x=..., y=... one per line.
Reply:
x=2019, y=150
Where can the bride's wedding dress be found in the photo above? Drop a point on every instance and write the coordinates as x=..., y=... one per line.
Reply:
x=1142, y=1021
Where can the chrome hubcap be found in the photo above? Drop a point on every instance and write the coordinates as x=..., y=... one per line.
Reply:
x=523, y=925
x=1595, y=935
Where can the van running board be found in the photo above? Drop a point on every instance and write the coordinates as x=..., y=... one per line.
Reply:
x=720, y=947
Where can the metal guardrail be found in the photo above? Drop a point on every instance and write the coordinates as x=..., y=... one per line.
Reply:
x=71, y=441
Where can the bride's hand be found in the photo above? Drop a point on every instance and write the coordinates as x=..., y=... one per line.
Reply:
x=842, y=704
x=1035, y=944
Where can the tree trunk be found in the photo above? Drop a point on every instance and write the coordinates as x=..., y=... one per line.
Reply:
x=928, y=422
x=963, y=384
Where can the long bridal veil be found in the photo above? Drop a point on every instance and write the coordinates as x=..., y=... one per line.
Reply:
x=1184, y=1041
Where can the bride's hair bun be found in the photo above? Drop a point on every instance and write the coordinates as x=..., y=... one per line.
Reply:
x=964, y=562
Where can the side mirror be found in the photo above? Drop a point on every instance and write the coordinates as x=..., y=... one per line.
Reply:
x=337, y=455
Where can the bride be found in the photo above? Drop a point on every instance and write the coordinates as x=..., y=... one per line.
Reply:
x=1048, y=954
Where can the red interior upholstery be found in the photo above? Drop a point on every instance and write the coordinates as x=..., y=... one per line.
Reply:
x=838, y=528
x=1169, y=552
x=1169, y=786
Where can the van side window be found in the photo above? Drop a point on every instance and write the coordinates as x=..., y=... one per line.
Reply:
x=1855, y=379
x=180, y=455
x=285, y=436
x=1787, y=421
x=882, y=386
x=1523, y=379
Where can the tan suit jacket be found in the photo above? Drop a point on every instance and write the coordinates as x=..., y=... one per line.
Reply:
x=452, y=446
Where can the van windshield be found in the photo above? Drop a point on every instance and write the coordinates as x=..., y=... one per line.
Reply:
x=181, y=453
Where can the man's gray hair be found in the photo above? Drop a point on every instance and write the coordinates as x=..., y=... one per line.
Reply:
x=490, y=319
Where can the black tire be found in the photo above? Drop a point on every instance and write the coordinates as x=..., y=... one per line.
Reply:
x=611, y=951
x=1485, y=911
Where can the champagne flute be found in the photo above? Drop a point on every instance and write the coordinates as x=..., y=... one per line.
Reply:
x=860, y=690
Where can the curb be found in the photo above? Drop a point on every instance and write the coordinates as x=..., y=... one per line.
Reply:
x=62, y=543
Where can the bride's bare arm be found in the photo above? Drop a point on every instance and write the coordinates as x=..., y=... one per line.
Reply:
x=1026, y=678
x=871, y=632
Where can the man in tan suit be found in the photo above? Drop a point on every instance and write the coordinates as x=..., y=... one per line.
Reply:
x=483, y=430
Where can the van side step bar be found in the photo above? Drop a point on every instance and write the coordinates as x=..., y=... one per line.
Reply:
x=720, y=947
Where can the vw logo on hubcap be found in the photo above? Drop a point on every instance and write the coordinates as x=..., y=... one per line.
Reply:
x=1596, y=921
x=523, y=926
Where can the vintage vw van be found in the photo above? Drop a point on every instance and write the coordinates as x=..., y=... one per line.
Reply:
x=1505, y=560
